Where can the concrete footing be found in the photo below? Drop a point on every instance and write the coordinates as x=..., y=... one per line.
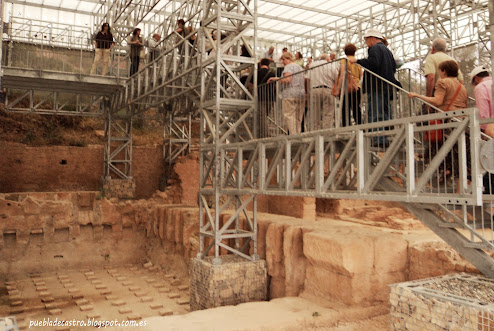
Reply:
x=233, y=281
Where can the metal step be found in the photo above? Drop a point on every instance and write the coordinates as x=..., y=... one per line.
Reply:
x=472, y=252
x=478, y=245
x=451, y=225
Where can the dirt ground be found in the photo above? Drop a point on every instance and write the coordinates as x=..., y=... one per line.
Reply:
x=289, y=314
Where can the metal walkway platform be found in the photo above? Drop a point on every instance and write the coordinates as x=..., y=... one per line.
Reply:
x=63, y=82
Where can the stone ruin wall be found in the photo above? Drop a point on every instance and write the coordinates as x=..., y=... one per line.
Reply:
x=68, y=168
x=329, y=259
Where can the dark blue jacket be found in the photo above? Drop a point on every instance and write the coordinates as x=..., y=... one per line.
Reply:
x=382, y=63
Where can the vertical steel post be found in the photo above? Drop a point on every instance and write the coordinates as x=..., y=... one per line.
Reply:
x=491, y=29
x=1, y=43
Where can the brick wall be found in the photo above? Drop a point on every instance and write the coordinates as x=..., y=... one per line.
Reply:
x=67, y=168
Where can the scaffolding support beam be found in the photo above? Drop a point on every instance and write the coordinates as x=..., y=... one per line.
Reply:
x=227, y=115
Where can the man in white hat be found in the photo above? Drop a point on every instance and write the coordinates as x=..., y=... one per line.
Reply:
x=432, y=61
x=381, y=62
x=483, y=95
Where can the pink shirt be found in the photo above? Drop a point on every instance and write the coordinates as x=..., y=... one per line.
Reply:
x=483, y=99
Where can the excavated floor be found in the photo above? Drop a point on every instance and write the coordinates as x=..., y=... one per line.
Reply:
x=118, y=293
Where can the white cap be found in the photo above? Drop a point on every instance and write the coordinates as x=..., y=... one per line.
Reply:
x=477, y=70
x=373, y=33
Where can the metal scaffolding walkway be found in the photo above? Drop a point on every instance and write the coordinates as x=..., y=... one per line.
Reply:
x=64, y=82
x=202, y=73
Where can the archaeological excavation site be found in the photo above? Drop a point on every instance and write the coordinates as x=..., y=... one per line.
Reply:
x=212, y=165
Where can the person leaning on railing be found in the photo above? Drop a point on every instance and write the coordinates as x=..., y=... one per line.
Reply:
x=136, y=44
x=446, y=89
x=450, y=94
x=379, y=93
x=103, y=43
x=293, y=94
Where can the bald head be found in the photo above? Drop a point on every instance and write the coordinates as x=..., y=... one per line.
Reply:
x=324, y=57
x=439, y=45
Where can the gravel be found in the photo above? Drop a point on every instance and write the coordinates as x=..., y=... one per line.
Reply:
x=481, y=289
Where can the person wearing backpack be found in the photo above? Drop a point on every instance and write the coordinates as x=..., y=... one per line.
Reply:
x=351, y=100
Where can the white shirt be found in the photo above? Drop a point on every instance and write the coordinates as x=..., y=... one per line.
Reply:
x=152, y=43
x=322, y=73
x=268, y=56
x=279, y=63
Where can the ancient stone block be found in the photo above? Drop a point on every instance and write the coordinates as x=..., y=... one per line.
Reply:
x=93, y=315
x=156, y=305
x=17, y=310
x=81, y=302
x=183, y=301
x=124, y=310
x=13, y=292
x=146, y=299
x=56, y=311
x=166, y=312
x=30, y=206
x=134, y=317
x=51, y=305
x=86, y=307
x=85, y=200
x=140, y=294
x=118, y=303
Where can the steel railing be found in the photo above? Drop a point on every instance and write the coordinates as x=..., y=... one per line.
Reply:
x=38, y=45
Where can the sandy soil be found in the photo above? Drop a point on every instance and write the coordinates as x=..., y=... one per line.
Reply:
x=288, y=314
